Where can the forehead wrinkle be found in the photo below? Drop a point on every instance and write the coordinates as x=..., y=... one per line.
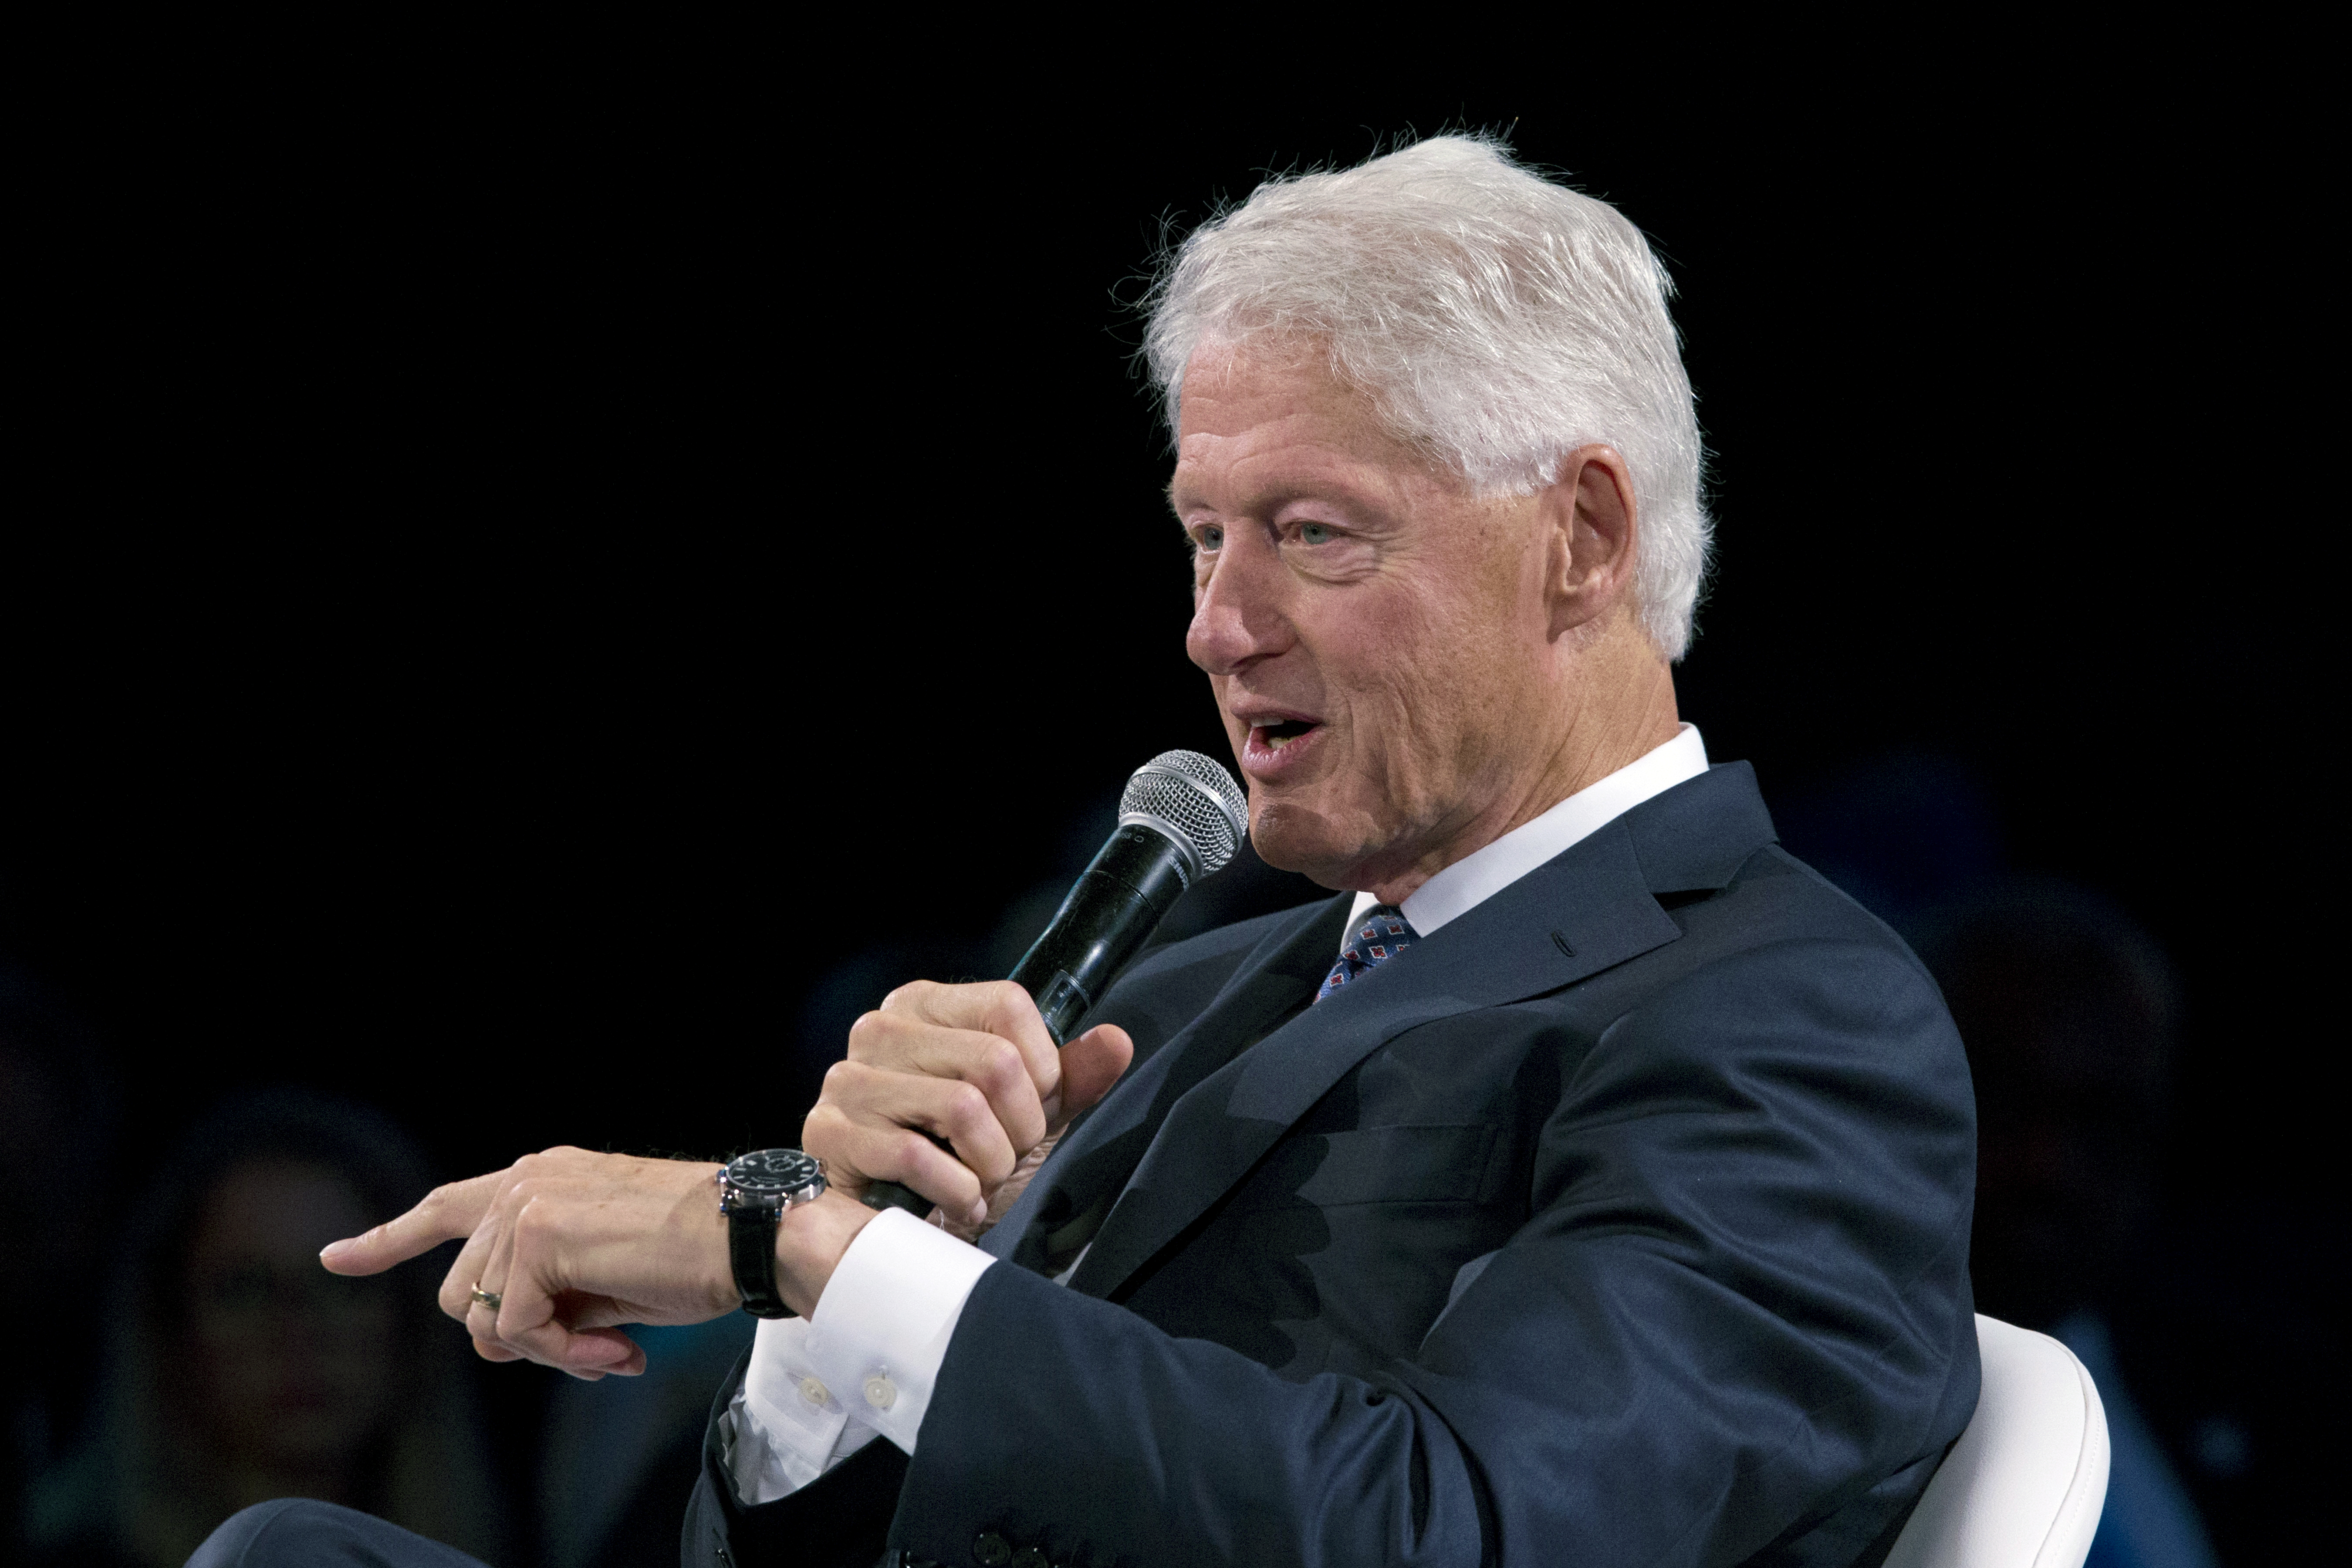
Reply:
x=1324, y=425
x=1305, y=463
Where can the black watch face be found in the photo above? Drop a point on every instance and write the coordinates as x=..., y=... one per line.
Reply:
x=772, y=1170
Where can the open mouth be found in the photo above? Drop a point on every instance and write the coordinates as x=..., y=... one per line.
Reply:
x=1274, y=737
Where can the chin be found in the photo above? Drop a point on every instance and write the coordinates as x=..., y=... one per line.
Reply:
x=1289, y=838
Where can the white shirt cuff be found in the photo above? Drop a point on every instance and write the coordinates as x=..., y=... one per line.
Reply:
x=789, y=1426
x=881, y=1328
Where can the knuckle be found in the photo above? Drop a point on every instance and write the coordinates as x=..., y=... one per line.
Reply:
x=967, y=1105
x=866, y=1034
x=831, y=1140
x=853, y=1088
x=911, y=997
x=1003, y=1063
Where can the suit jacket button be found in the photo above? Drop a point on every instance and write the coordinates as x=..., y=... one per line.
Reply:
x=1030, y=1557
x=992, y=1550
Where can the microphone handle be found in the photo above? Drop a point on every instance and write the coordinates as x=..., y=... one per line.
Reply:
x=1112, y=911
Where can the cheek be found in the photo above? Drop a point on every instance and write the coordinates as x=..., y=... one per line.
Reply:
x=1438, y=696
x=1483, y=645
x=1404, y=663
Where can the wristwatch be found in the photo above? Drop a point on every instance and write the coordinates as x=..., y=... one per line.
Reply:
x=754, y=1191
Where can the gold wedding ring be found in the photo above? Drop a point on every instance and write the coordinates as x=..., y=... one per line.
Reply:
x=490, y=1298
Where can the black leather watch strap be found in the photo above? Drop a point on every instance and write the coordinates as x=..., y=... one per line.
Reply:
x=751, y=1250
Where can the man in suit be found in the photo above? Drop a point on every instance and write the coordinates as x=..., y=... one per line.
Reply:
x=1588, y=1181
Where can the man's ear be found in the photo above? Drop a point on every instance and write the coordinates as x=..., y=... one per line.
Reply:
x=1590, y=515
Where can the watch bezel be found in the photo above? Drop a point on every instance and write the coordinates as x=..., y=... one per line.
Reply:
x=746, y=1183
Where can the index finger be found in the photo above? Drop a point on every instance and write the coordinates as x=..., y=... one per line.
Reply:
x=445, y=1213
x=996, y=1007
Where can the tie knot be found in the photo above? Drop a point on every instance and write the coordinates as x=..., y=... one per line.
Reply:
x=1377, y=935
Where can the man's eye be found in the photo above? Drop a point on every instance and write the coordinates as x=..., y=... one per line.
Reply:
x=1209, y=541
x=1314, y=534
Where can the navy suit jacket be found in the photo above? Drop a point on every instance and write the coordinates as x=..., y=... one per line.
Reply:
x=1624, y=1220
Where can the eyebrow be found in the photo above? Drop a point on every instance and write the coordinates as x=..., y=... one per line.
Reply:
x=1363, y=503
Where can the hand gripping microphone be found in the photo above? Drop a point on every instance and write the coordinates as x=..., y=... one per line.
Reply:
x=1180, y=817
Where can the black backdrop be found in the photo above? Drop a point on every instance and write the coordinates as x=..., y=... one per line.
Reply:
x=535, y=587
x=506, y=601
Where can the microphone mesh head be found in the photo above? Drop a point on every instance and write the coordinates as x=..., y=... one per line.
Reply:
x=1187, y=791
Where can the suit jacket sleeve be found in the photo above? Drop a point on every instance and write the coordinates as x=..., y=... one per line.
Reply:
x=837, y=1521
x=1738, y=1305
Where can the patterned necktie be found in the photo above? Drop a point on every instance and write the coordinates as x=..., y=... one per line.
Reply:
x=1379, y=936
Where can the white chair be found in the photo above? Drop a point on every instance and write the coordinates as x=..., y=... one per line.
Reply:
x=2023, y=1485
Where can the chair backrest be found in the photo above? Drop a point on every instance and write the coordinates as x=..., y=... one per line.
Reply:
x=2023, y=1485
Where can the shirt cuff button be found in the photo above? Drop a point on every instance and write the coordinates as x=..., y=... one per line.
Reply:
x=814, y=1391
x=880, y=1392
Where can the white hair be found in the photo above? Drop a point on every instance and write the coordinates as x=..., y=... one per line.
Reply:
x=1496, y=321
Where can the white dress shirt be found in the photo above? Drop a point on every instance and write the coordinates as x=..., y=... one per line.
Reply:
x=818, y=1389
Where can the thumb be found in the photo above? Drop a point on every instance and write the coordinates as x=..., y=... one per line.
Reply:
x=589, y=1353
x=581, y=1340
x=1091, y=1064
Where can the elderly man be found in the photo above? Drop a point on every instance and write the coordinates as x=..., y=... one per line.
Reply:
x=1588, y=1181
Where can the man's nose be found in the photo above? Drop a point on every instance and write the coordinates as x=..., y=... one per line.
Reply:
x=1237, y=616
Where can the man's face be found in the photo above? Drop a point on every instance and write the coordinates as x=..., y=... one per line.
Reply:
x=1376, y=635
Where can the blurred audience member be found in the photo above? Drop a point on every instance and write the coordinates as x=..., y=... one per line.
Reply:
x=2071, y=1017
x=58, y=1114
x=238, y=1370
x=2193, y=1295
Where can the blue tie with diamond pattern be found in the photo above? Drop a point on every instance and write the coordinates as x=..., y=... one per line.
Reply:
x=1378, y=934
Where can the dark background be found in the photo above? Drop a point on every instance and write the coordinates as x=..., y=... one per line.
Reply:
x=534, y=619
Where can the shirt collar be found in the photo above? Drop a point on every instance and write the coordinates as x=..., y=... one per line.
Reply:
x=1479, y=876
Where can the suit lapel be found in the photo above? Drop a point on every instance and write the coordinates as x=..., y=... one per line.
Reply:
x=1590, y=908
x=1585, y=911
x=1101, y=1149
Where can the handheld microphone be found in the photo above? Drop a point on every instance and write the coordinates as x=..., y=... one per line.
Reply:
x=1180, y=817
